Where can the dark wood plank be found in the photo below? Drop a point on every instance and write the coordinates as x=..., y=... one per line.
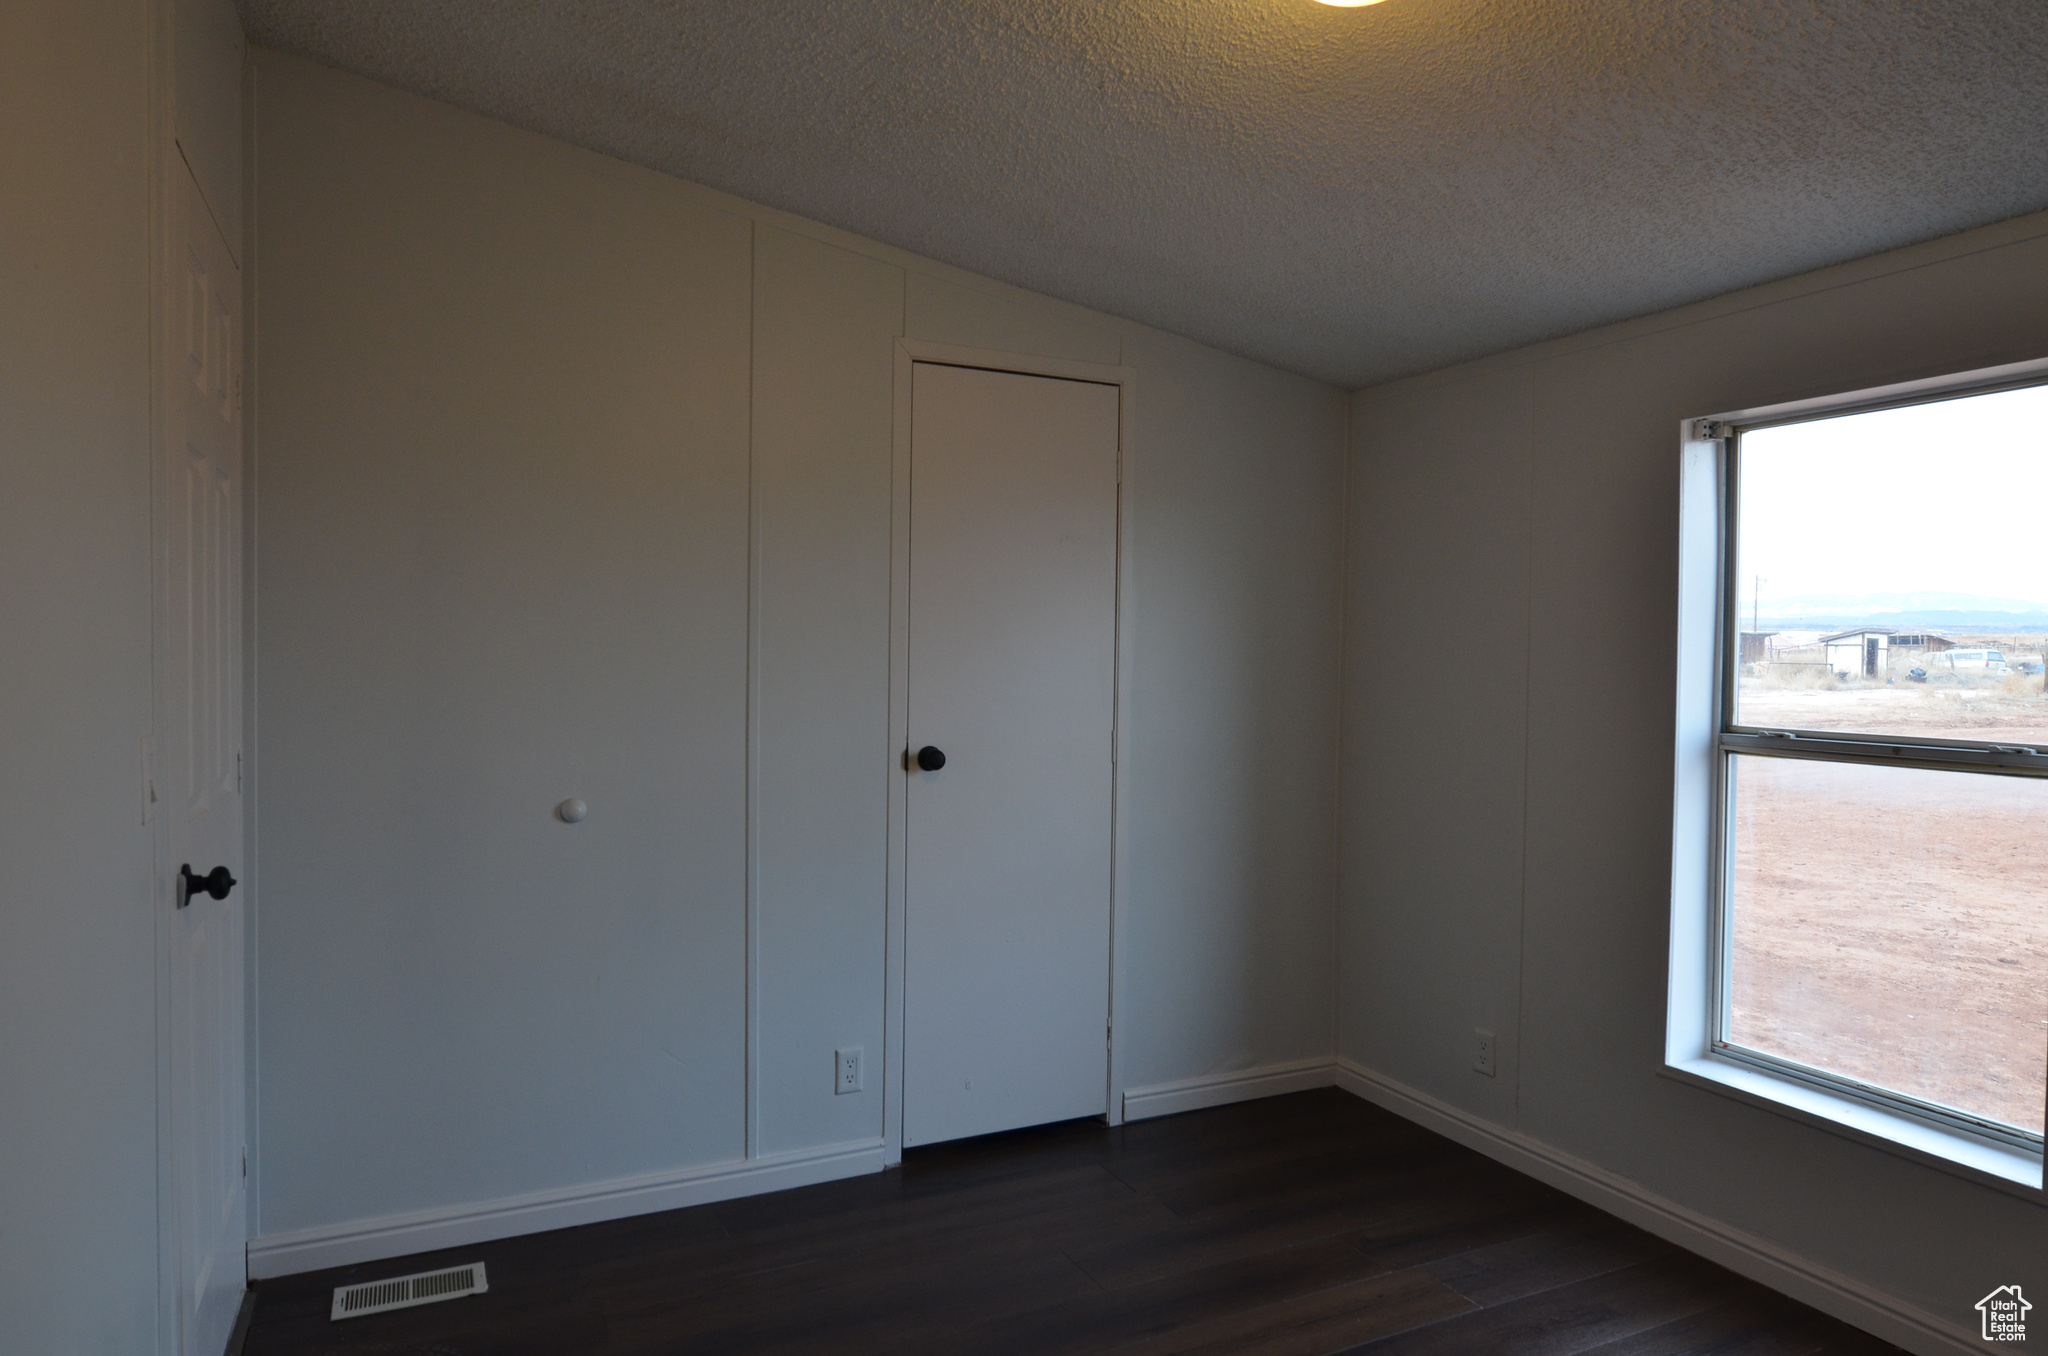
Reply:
x=1300, y=1214
x=1059, y=1208
x=1570, y=1318
x=910, y=1308
x=1843, y=1340
x=1460, y=1222
x=1747, y=1324
x=1321, y=1321
x=1573, y=1250
x=1154, y=1309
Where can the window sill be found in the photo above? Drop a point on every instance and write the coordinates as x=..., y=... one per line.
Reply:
x=2010, y=1169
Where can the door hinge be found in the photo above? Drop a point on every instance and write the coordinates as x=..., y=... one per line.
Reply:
x=1712, y=430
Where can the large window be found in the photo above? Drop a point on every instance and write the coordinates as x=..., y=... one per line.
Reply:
x=1877, y=812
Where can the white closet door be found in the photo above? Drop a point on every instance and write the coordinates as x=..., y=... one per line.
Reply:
x=199, y=734
x=1013, y=508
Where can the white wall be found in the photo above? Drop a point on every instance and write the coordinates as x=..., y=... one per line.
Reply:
x=574, y=479
x=78, y=1191
x=1238, y=570
x=501, y=560
x=1508, y=757
x=825, y=323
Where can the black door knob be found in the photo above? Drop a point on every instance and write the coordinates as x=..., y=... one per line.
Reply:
x=930, y=759
x=215, y=883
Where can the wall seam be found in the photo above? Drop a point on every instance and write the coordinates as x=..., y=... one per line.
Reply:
x=157, y=145
x=252, y=812
x=1528, y=724
x=1337, y=817
x=751, y=1060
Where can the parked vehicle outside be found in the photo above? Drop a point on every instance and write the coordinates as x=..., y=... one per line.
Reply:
x=1973, y=663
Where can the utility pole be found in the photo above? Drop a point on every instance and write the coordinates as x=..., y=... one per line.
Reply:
x=1763, y=653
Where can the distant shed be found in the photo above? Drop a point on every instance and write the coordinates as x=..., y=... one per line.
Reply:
x=1756, y=647
x=1922, y=640
x=1861, y=653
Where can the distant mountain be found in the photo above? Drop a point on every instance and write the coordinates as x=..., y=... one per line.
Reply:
x=1930, y=611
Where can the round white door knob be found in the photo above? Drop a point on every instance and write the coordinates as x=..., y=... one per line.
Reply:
x=572, y=811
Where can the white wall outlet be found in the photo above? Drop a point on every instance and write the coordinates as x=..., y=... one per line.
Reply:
x=1482, y=1052
x=849, y=1077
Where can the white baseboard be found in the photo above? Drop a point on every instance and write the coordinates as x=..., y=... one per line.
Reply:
x=1744, y=1253
x=370, y=1240
x=1192, y=1094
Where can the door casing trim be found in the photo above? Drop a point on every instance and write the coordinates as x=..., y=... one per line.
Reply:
x=910, y=352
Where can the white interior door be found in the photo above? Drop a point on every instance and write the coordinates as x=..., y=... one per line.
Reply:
x=198, y=782
x=1012, y=676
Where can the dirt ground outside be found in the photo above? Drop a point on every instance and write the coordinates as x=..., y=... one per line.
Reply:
x=1891, y=925
x=1989, y=714
x=1805, y=696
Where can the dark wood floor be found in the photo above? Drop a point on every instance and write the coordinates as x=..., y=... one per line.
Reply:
x=1299, y=1225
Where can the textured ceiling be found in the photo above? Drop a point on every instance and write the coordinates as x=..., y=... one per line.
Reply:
x=1350, y=193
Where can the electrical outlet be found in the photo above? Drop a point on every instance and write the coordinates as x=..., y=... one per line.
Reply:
x=1482, y=1055
x=849, y=1077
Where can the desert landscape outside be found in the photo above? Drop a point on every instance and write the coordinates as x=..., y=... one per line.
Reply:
x=1911, y=694
x=1887, y=926
x=1887, y=923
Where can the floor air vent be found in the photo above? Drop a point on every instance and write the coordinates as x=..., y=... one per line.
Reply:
x=402, y=1292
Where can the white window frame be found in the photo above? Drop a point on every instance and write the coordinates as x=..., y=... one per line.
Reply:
x=1707, y=737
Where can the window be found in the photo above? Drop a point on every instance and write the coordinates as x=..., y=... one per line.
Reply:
x=1869, y=769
